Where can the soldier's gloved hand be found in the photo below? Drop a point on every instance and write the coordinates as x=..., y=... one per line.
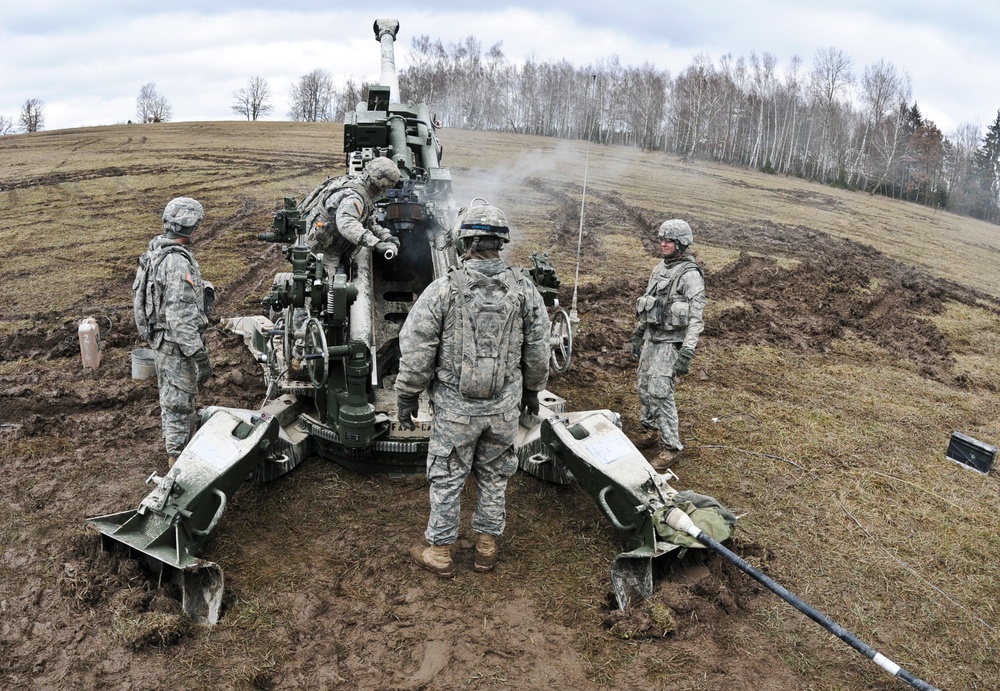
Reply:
x=204, y=365
x=388, y=248
x=637, y=337
x=683, y=364
x=636, y=346
x=407, y=405
x=529, y=401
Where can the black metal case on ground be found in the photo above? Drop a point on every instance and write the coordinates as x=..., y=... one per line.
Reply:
x=971, y=452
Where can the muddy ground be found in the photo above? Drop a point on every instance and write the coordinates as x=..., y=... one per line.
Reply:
x=319, y=594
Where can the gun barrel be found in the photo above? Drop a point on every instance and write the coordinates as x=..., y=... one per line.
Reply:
x=385, y=33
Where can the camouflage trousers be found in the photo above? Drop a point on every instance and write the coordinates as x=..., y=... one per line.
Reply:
x=177, y=377
x=460, y=444
x=656, y=392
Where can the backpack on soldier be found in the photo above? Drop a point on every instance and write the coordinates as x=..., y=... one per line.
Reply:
x=145, y=301
x=327, y=197
x=490, y=308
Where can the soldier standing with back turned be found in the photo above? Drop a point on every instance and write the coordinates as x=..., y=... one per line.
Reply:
x=171, y=312
x=670, y=315
x=479, y=339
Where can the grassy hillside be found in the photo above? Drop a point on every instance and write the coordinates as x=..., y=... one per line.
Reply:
x=847, y=337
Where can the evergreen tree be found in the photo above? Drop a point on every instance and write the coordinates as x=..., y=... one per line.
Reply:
x=914, y=120
x=987, y=164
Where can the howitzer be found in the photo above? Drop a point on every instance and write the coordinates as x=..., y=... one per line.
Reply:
x=329, y=351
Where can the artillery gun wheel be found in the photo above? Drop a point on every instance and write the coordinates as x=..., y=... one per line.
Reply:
x=317, y=356
x=561, y=342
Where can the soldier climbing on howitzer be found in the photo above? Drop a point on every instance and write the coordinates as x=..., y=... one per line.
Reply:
x=478, y=340
x=670, y=316
x=172, y=306
x=340, y=214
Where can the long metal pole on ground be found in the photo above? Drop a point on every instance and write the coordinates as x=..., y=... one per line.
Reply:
x=678, y=520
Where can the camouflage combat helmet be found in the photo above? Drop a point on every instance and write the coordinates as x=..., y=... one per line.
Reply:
x=483, y=220
x=381, y=172
x=677, y=230
x=182, y=216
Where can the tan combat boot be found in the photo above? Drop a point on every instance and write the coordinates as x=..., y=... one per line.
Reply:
x=486, y=553
x=434, y=558
x=170, y=461
x=662, y=462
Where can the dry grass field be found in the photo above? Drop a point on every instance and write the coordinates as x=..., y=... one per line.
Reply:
x=847, y=337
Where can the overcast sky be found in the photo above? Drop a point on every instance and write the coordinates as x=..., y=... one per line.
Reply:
x=87, y=60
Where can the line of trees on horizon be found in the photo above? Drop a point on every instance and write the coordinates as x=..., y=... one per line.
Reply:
x=830, y=123
x=826, y=122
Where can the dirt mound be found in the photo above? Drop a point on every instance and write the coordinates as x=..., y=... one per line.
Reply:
x=806, y=307
x=693, y=592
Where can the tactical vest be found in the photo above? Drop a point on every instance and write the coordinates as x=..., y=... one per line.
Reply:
x=328, y=196
x=664, y=305
x=489, y=319
x=146, y=299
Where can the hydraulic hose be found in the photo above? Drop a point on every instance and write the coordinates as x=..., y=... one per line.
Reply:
x=678, y=520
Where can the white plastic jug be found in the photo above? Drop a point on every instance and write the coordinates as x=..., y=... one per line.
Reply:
x=90, y=343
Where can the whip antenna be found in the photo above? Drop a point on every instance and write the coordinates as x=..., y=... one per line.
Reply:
x=574, y=317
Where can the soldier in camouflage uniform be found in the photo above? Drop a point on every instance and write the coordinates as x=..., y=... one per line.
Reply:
x=340, y=213
x=479, y=339
x=670, y=317
x=176, y=320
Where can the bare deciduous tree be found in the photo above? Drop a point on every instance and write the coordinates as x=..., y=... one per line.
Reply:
x=6, y=125
x=764, y=85
x=697, y=98
x=252, y=100
x=830, y=76
x=883, y=92
x=151, y=106
x=348, y=97
x=312, y=97
x=32, y=115
x=962, y=179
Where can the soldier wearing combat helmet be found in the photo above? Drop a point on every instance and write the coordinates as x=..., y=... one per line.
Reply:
x=340, y=213
x=172, y=306
x=478, y=341
x=670, y=316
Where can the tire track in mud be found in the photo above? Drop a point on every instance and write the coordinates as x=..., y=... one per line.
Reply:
x=52, y=179
x=239, y=230
x=598, y=346
x=29, y=400
x=565, y=216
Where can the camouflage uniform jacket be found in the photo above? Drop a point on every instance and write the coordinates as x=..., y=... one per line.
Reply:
x=340, y=216
x=674, y=303
x=178, y=287
x=431, y=345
